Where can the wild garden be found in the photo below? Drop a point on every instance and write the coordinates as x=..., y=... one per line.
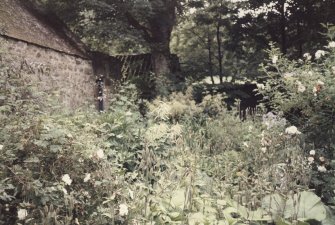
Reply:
x=172, y=159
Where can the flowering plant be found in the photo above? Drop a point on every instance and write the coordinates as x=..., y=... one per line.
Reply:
x=304, y=90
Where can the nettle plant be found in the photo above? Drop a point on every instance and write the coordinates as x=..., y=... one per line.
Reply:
x=304, y=92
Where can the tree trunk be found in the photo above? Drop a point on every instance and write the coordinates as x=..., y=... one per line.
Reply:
x=220, y=56
x=299, y=39
x=160, y=63
x=210, y=63
x=283, y=26
x=160, y=27
x=160, y=53
x=157, y=33
x=160, y=30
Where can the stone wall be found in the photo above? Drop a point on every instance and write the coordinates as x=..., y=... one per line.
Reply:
x=70, y=78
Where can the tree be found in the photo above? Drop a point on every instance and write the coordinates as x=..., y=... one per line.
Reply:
x=239, y=31
x=152, y=20
x=209, y=27
x=295, y=25
x=156, y=27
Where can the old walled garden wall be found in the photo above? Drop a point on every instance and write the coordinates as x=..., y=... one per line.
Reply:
x=67, y=76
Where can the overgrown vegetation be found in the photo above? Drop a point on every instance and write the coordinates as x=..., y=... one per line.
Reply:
x=182, y=157
x=177, y=163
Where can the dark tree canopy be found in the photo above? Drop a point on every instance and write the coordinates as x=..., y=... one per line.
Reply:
x=231, y=36
x=125, y=26
x=224, y=38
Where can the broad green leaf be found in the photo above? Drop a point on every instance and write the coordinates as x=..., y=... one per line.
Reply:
x=304, y=205
x=196, y=218
x=175, y=215
x=231, y=215
x=284, y=222
x=302, y=223
x=281, y=222
x=221, y=202
x=223, y=222
x=254, y=215
x=178, y=198
x=209, y=210
x=275, y=204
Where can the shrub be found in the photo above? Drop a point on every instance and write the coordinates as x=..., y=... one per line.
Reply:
x=304, y=91
x=63, y=168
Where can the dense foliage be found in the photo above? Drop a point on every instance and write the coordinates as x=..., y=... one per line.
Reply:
x=304, y=92
x=178, y=163
x=172, y=160
x=228, y=38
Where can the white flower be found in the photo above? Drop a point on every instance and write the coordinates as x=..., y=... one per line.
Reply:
x=128, y=113
x=263, y=149
x=272, y=120
x=288, y=75
x=319, y=54
x=100, y=153
x=301, y=88
x=320, y=83
x=22, y=214
x=322, y=168
x=131, y=194
x=274, y=59
x=123, y=210
x=312, y=152
x=310, y=159
x=87, y=177
x=315, y=90
x=331, y=44
x=292, y=130
x=333, y=69
x=307, y=56
x=1, y=147
x=66, y=179
x=260, y=86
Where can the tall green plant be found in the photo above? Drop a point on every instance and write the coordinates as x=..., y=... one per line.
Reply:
x=304, y=91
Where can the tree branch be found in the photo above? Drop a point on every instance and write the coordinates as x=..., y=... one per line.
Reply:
x=136, y=24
